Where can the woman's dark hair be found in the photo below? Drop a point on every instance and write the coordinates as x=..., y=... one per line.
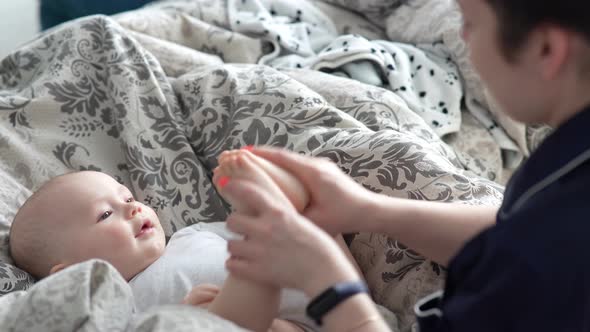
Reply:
x=517, y=18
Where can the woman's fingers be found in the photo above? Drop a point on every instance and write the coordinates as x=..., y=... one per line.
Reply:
x=249, y=194
x=245, y=249
x=292, y=162
x=245, y=269
x=245, y=225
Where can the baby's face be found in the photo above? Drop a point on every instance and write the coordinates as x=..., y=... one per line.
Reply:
x=101, y=219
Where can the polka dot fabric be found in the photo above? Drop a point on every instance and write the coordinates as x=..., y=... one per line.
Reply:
x=303, y=37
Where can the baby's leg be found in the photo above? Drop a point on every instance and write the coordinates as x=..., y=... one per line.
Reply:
x=288, y=184
x=249, y=304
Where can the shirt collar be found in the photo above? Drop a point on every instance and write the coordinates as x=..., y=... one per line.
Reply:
x=554, y=157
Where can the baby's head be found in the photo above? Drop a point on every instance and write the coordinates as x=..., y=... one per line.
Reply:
x=80, y=216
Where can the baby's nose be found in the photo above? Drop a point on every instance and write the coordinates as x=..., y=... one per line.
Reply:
x=135, y=210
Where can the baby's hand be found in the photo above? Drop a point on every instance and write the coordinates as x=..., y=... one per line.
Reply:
x=201, y=295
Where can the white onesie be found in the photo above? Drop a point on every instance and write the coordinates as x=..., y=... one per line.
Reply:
x=196, y=255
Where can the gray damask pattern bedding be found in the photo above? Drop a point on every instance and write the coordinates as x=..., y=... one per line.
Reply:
x=154, y=114
x=93, y=296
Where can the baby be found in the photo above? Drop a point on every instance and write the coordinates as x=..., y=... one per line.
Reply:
x=85, y=215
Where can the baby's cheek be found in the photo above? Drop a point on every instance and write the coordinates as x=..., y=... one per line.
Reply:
x=119, y=236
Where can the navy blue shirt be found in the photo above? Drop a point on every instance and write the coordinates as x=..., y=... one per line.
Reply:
x=54, y=12
x=531, y=271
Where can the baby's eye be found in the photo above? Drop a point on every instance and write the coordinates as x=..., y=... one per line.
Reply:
x=105, y=215
x=129, y=200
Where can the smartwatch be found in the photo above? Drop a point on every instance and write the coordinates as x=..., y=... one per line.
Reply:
x=333, y=296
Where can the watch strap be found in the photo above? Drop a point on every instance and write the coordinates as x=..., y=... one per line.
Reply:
x=331, y=297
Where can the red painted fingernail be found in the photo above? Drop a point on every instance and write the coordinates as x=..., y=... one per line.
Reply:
x=248, y=147
x=223, y=181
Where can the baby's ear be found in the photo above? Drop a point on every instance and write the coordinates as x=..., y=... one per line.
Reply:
x=57, y=268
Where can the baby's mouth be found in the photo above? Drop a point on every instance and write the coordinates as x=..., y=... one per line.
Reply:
x=146, y=228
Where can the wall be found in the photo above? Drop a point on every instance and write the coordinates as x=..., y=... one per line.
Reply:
x=18, y=23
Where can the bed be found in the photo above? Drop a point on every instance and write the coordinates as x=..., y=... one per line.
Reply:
x=153, y=96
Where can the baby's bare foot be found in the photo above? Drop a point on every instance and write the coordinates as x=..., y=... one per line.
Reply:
x=238, y=164
x=244, y=164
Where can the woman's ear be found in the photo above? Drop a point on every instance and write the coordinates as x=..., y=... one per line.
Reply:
x=57, y=268
x=554, y=51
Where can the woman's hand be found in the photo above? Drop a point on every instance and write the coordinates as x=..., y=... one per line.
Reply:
x=337, y=203
x=201, y=295
x=280, y=246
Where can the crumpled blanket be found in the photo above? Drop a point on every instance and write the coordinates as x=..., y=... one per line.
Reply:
x=92, y=296
x=312, y=34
